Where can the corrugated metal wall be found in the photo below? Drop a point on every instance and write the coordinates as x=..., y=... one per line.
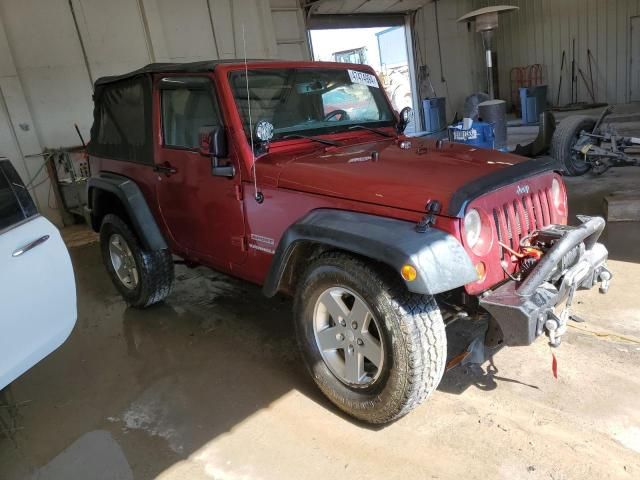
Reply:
x=456, y=79
x=541, y=29
x=51, y=52
x=290, y=30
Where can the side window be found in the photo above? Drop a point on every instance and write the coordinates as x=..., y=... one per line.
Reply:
x=122, y=121
x=15, y=202
x=123, y=115
x=184, y=112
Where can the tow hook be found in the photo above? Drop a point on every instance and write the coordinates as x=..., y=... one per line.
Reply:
x=556, y=326
x=605, y=277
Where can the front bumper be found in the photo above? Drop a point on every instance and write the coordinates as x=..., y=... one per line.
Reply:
x=524, y=310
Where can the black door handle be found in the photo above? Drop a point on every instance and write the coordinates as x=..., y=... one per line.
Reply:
x=165, y=168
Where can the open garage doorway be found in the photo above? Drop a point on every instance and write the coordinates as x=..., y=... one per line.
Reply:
x=384, y=48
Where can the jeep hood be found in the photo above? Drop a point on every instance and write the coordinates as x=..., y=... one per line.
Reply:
x=406, y=178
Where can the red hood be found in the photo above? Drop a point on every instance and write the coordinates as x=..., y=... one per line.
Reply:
x=401, y=178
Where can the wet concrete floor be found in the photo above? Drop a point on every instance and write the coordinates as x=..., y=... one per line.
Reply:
x=210, y=385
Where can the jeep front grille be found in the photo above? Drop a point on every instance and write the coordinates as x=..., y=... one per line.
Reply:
x=518, y=218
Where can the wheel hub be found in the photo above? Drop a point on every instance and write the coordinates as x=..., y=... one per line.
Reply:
x=348, y=337
x=123, y=261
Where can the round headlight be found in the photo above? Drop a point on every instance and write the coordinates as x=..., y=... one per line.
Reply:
x=472, y=227
x=556, y=192
x=558, y=201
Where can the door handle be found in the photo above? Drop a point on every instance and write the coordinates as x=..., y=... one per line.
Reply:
x=165, y=168
x=30, y=245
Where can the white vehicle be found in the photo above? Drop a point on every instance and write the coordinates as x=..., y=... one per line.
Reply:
x=37, y=285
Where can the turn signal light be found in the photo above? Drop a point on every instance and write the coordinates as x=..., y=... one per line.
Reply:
x=409, y=273
x=481, y=270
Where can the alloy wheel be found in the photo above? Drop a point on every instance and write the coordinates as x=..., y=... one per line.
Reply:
x=348, y=337
x=123, y=261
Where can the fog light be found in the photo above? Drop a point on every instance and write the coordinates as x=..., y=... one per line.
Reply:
x=481, y=270
x=409, y=273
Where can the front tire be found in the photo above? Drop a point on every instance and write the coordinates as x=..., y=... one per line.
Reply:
x=375, y=349
x=563, y=141
x=142, y=277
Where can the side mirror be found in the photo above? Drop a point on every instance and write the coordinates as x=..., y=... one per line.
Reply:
x=212, y=142
x=405, y=116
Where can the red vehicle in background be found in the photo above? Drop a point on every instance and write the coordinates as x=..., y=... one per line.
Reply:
x=255, y=170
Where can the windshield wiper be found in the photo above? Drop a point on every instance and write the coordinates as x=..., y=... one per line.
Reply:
x=374, y=130
x=315, y=139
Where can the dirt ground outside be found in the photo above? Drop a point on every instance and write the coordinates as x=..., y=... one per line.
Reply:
x=209, y=385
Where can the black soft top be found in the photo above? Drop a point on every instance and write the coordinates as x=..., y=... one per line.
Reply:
x=188, y=67
x=122, y=113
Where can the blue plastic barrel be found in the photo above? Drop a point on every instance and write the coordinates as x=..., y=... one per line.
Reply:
x=533, y=101
x=434, y=114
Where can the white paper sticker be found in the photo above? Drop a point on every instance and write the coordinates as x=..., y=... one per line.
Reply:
x=363, y=78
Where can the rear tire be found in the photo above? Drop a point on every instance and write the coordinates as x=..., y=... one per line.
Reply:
x=144, y=277
x=565, y=137
x=408, y=327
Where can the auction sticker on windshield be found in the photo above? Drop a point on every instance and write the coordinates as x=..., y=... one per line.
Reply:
x=363, y=78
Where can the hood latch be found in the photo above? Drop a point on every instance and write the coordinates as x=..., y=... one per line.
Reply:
x=433, y=208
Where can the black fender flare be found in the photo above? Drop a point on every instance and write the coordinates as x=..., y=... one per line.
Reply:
x=439, y=258
x=134, y=203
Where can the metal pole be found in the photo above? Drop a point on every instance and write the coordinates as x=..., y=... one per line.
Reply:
x=560, y=84
x=574, y=76
x=486, y=41
x=490, y=75
x=593, y=89
x=584, y=79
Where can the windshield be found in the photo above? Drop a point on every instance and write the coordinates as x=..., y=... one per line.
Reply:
x=310, y=101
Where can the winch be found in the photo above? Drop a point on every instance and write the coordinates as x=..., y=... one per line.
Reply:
x=538, y=243
x=554, y=262
x=535, y=245
x=532, y=248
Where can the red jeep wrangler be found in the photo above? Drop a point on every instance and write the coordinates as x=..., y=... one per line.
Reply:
x=382, y=239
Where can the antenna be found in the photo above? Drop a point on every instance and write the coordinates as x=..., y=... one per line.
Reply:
x=258, y=195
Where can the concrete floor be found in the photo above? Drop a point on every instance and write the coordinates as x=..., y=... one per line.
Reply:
x=209, y=385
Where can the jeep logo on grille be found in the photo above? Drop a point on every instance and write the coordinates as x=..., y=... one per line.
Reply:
x=522, y=189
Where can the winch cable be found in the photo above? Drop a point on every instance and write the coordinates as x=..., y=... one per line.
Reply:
x=606, y=334
x=599, y=335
